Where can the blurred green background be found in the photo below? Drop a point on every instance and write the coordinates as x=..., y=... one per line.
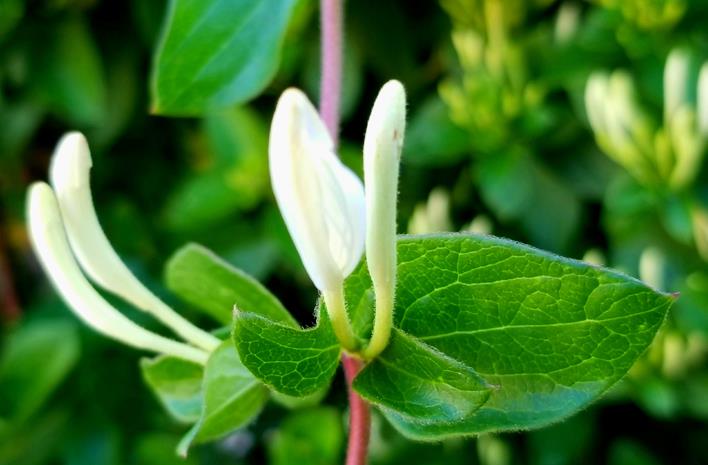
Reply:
x=504, y=137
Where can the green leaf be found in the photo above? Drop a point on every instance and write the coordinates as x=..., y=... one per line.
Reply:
x=312, y=436
x=217, y=53
x=416, y=380
x=552, y=334
x=432, y=139
x=204, y=280
x=177, y=384
x=232, y=398
x=36, y=358
x=292, y=361
x=75, y=92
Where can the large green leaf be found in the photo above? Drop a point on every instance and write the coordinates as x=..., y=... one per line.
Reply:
x=215, y=53
x=232, y=398
x=412, y=378
x=177, y=384
x=292, y=361
x=551, y=334
x=209, y=283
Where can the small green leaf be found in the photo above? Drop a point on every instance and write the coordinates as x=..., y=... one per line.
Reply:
x=551, y=334
x=232, y=398
x=312, y=436
x=177, y=384
x=217, y=53
x=415, y=380
x=51, y=345
x=209, y=283
x=292, y=361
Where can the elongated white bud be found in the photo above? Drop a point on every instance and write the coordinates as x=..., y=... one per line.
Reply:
x=321, y=200
x=382, y=156
x=703, y=101
x=51, y=246
x=69, y=173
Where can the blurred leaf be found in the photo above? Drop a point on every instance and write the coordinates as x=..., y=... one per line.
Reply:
x=204, y=280
x=159, y=449
x=35, y=360
x=292, y=361
x=518, y=188
x=312, y=437
x=626, y=452
x=67, y=72
x=232, y=398
x=417, y=381
x=177, y=384
x=11, y=12
x=551, y=334
x=231, y=176
x=432, y=139
x=217, y=53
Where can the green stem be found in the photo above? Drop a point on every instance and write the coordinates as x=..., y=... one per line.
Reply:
x=383, y=321
x=336, y=308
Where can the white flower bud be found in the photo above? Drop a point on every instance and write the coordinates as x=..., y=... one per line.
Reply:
x=51, y=246
x=321, y=200
x=69, y=173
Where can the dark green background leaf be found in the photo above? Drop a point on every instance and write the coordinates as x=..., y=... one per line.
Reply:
x=217, y=53
x=312, y=436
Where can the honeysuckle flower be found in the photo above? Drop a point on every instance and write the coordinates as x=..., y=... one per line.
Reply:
x=382, y=155
x=52, y=248
x=326, y=210
x=321, y=200
x=69, y=174
x=703, y=100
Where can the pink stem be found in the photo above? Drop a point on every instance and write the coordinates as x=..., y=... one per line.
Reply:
x=331, y=65
x=359, y=416
x=330, y=94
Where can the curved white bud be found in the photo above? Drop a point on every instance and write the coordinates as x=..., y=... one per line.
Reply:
x=703, y=101
x=676, y=80
x=69, y=174
x=382, y=156
x=321, y=200
x=51, y=246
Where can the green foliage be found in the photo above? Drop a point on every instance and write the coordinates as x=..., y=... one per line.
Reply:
x=217, y=53
x=312, y=436
x=207, y=282
x=547, y=335
x=232, y=397
x=177, y=384
x=24, y=388
x=290, y=360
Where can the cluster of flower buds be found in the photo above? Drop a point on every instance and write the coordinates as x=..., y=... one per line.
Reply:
x=71, y=245
x=331, y=217
x=665, y=155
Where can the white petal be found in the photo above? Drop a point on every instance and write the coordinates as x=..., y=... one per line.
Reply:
x=321, y=200
x=50, y=245
x=703, y=100
x=69, y=173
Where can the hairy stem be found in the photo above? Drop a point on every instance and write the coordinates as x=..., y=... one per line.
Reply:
x=359, y=415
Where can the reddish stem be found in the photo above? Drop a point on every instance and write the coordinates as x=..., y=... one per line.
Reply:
x=331, y=64
x=359, y=415
x=9, y=304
